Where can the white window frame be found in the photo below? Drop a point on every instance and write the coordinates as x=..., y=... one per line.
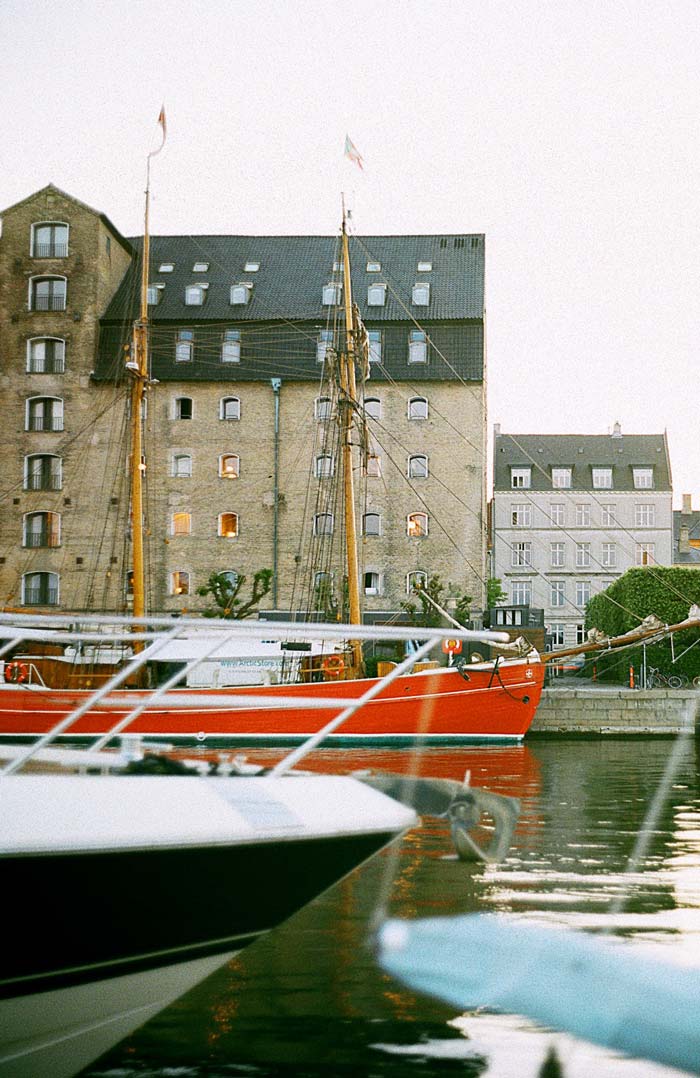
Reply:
x=420, y=294
x=583, y=555
x=557, y=632
x=177, y=408
x=323, y=409
x=231, y=346
x=583, y=515
x=195, y=295
x=521, y=515
x=166, y=267
x=424, y=267
x=252, y=266
x=48, y=523
x=239, y=294
x=608, y=555
x=557, y=513
x=26, y=587
x=182, y=466
x=376, y=294
x=233, y=472
x=374, y=338
x=417, y=346
x=49, y=224
x=324, y=466
x=373, y=466
x=324, y=523
x=374, y=267
x=561, y=478
x=521, y=553
x=608, y=514
x=323, y=343
x=178, y=519
x=640, y=550
x=557, y=593
x=57, y=414
x=372, y=582
x=59, y=368
x=417, y=525
x=55, y=469
x=557, y=555
x=643, y=478
x=521, y=591
x=520, y=478
x=411, y=580
x=583, y=592
x=331, y=294
x=37, y=279
x=200, y=267
x=645, y=515
x=184, y=346
x=375, y=516
x=416, y=406
x=224, y=408
x=413, y=464
x=373, y=407
x=602, y=478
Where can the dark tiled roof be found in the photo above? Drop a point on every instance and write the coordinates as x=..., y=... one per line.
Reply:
x=690, y=520
x=294, y=269
x=685, y=557
x=581, y=452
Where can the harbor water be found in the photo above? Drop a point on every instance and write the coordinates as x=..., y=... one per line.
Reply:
x=310, y=1000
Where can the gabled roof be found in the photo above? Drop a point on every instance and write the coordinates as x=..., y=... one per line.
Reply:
x=690, y=520
x=294, y=269
x=581, y=453
x=51, y=188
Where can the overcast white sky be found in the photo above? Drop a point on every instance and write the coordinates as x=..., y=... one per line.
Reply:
x=567, y=132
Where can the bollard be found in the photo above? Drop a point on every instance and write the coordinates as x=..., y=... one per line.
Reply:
x=631, y=677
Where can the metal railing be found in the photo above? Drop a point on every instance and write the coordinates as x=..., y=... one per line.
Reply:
x=50, y=250
x=49, y=303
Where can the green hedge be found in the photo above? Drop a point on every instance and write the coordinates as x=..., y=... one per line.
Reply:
x=666, y=592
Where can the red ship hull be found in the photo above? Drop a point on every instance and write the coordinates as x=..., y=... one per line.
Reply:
x=435, y=706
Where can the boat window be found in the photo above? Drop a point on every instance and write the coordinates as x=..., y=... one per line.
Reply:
x=181, y=524
x=179, y=582
x=231, y=346
x=229, y=466
x=228, y=525
x=416, y=580
x=421, y=294
x=240, y=294
x=373, y=408
x=331, y=294
x=417, y=525
x=183, y=407
x=375, y=345
x=230, y=408
x=418, y=408
x=182, y=466
x=323, y=408
x=49, y=240
x=46, y=355
x=40, y=589
x=418, y=466
x=417, y=347
x=371, y=524
x=376, y=295
x=323, y=524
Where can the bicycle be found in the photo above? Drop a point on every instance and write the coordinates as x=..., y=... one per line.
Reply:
x=657, y=680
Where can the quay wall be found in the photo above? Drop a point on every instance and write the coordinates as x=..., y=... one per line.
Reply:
x=616, y=711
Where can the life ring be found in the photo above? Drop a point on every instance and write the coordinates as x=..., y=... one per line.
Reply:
x=452, y=647
x=16, y=672
x=333, y=666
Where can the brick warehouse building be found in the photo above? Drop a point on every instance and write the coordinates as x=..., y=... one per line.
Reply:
x=236, y=416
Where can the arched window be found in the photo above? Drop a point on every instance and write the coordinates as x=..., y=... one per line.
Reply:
x=184, y=346
x=179, y=582
x=371, y=524
x=373, y=408
x=182, y=466
x=230, y=576
x=40, y=589
x=49, y=240
x=417, y=346
x=417, y=525
x=44, y=413
x=418, y=408
x=418, y=466
x=228, y=525
x=323, y=408
x=323, y=524
x=181, y=524
x=230, y=408
x=324, y=466
x=373, y=467
x=376, y=295
x=42, y=529
x=372, y=582
x=43, y=471
x=47, y=293
x=229, y=466
x=421, y=294
x=183, y=408
x=331, y=294
x=417, y=579
x=46, y=355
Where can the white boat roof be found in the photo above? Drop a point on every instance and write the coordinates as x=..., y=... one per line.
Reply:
x=217, y=646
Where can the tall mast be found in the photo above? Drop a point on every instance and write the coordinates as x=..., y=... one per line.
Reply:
x=348, y=403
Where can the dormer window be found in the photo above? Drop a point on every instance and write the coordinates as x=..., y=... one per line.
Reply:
x=602, y=478
x=643, y=478
x=331, y=294
x=376, y=295
x=195, y=295
x=425, y=267
x=251, y=267
x=561, y=478
x=166, y=267
x=420, y=296
x=374, y=267
x=153, y=295
x=49, y=240
x=240, y=294
x=338, y=266
x=520, y=477
x=200, y=267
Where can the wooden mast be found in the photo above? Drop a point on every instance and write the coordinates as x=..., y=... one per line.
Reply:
x=348, y=404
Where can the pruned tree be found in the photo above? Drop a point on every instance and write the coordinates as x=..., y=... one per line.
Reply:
x=225, y=589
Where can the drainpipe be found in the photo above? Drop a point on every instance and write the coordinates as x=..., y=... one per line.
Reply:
x=276, y=385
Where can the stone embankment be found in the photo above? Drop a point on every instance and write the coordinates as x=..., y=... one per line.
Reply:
x=595, y=710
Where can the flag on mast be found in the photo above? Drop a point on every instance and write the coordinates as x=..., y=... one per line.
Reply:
x=161, y=121
x=352, y=152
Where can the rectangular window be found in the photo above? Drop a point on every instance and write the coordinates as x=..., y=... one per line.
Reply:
x=421, y=294
x=643, y=478
x=644, y=554
x=194, y=295
x=184, y=346
x=231, y=346
x=239, y=294
x=557, y=595
x=375, y=345
x=557, y=632
x=583, y=592
x=520, y=477
x=521, y=554
x=583, y=555
x=580, y=632
x=331, y=294
x=557, y=559
x=561, y=477
x=521, y=515
x=607, y=514
x=181, y=523
x=602, y=478
x=608, y=555
x=417, y=347
x=521, y=592
x=372, y=583
x=583, y=515
x=644, y=515
x=557, y=513
x=325, y=339
x=376, y=295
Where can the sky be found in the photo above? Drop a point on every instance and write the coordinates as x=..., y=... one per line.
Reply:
x=567, y=132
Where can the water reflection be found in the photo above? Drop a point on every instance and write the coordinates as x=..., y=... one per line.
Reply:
x=310, y=999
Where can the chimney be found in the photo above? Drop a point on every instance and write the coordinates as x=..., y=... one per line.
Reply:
x=687, y=505
x=496, y=430
x=684, y=539
x=617, y=431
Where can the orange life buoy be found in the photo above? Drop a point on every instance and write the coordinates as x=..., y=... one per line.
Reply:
x=453, y=646
x=333, y=665
x=16, y=672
